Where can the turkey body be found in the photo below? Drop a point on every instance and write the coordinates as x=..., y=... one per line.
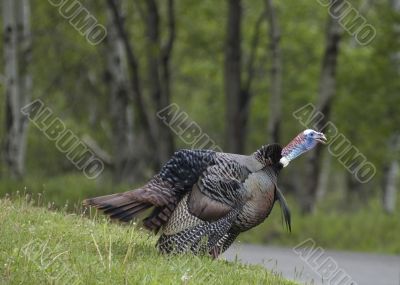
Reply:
x=203, y=199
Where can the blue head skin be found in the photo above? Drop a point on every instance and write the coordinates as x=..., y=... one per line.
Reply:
x=312, y=138
x=304, y=141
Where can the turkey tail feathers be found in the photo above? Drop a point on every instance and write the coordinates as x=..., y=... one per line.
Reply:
x=118, y=206
x=125, y=206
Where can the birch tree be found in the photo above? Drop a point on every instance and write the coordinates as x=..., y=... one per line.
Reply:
x=326, y=92
x=392, y=168
x=158, y=136
x=391, y=175
x=142, y=116
x=18, y=81
x=121, y=108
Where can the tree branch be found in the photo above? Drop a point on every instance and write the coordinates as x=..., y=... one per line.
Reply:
x=167, y=48
x=245, y=92
x=253, y=51
x=166, y=51
x=135, y=82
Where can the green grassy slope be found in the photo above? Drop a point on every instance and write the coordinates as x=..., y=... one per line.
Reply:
x=347, y=227
x=38, y=246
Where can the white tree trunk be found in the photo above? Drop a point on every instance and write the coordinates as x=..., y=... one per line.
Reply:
x=18, y=82
x=391, y=176
x=120, y=104
x=326, y=92
x=391, y=170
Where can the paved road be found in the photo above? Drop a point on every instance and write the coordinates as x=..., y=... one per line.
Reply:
x=362, y=268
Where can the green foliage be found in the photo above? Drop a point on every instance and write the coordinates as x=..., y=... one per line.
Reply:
x=69, y=73
x=330, y=226
x=44, y=247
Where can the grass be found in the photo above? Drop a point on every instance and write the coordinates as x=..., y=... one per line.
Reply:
x=64, y=191
x=364, y=228
x=38, y=246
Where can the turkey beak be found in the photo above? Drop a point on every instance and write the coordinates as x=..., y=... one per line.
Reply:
x=322, y=139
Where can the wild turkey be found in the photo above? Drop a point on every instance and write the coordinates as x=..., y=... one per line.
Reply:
x=203, y=199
